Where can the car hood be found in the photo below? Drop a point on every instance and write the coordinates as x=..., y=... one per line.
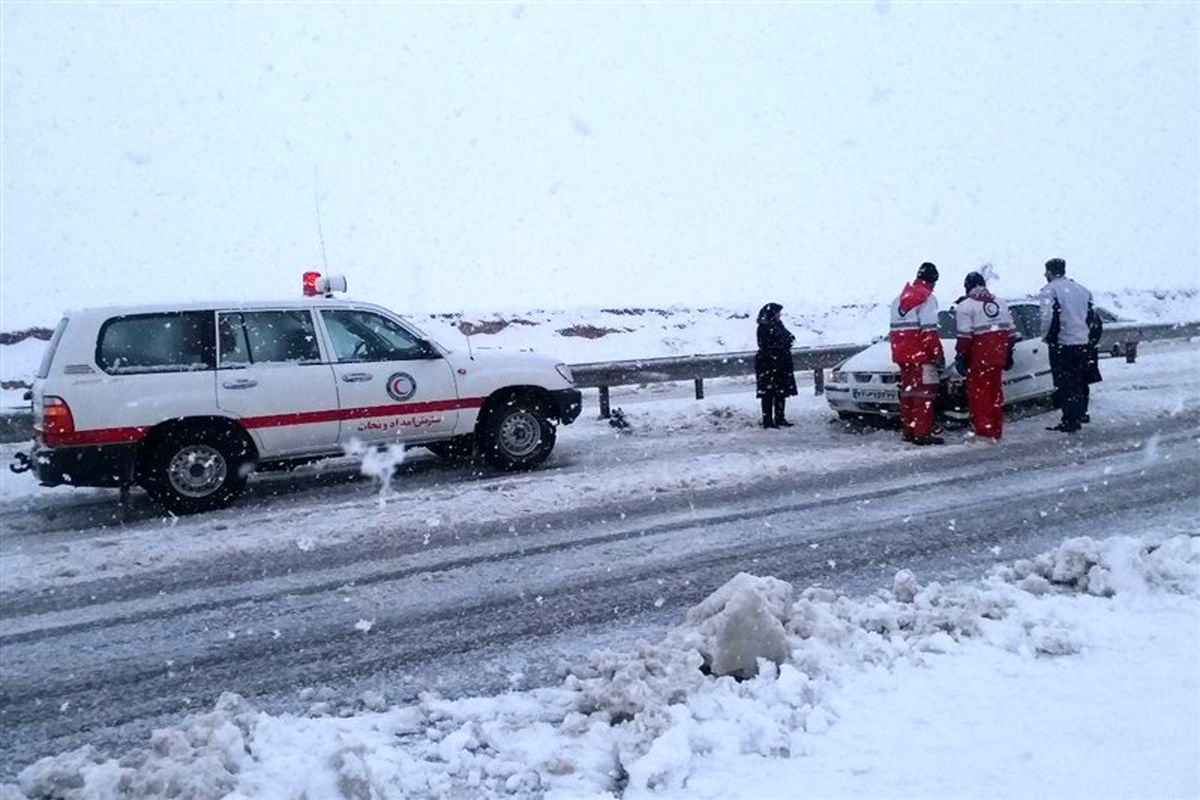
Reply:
x=878, y=358
x=499, y=359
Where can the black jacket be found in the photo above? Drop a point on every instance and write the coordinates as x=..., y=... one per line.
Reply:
x=773, y=368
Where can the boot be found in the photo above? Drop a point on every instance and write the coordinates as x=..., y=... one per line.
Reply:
x=780, y=422
x=768, y=409
x=928, y=440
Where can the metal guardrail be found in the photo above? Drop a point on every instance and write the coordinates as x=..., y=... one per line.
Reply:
x=1125, y=335
x=605, y=374
x=1119, y=339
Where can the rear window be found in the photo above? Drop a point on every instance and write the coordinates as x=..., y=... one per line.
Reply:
x=48, y=356
x=1028, y=320
x=171, y=342
x=947, y=325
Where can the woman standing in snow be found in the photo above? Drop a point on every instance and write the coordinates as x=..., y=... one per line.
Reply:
x=773, y=368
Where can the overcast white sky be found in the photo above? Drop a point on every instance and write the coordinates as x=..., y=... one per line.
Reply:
x=547, y=156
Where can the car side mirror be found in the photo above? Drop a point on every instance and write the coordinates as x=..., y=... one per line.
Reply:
x=428, y=350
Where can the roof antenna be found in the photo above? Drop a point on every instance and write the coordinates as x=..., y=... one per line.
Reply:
x=466, y=329
x=320, y=233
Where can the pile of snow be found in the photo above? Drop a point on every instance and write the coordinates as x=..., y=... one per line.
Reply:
x=845, y=696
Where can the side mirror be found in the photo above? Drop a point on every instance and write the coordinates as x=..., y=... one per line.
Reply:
x=428, y=350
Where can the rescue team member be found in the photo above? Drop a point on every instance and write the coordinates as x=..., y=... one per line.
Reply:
x=774, y=372
x=982, y=353
x=1066, y=309
x=917, y=350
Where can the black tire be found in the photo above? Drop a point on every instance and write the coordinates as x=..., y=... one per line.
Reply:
x=190, y=470
x=460, y=449
x=516, y=434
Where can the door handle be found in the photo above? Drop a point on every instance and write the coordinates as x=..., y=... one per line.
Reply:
x=241, y=383
x=356, y=377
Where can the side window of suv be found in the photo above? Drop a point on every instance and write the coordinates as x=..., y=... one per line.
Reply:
x=360, y=336
x=180, y=341
x=267, y=337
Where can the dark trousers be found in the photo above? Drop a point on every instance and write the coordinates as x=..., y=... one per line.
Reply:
x=1068, y=367
x=772, y=408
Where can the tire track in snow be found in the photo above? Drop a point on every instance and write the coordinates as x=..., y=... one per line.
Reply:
x=128, y=690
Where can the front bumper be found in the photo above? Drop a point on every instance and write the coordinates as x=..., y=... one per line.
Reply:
x=108, y=465
x=841, y=398
x=567, y=404
x=951, y=401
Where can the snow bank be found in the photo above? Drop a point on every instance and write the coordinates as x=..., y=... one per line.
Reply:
x=652, y=722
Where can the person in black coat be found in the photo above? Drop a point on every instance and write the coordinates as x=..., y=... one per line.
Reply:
x=773, y=368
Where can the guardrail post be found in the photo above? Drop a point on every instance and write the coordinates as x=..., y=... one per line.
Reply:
x=1131, y=351
x=699, y=388
x=604, y=412
x=818, y=381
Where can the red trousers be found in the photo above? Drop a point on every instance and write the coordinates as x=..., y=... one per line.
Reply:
x=916, y=402
x=985, y=400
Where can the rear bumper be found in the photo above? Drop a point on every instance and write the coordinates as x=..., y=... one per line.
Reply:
x=567, y=404
x=99, y=465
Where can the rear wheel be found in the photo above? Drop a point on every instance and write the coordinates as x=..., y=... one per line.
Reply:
x=517, y=434
x=190, y=470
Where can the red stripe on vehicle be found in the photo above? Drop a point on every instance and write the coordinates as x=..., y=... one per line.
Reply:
x=95, y=436
x=98, y=436
x=362, y=412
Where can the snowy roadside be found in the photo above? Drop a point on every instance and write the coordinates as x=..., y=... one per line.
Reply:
x=1068, y=675
x=675, y=447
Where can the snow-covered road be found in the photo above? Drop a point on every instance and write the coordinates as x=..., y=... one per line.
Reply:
x=469, y=583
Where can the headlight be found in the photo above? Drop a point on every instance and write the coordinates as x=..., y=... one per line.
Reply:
x=838, y=376
x=565, y=371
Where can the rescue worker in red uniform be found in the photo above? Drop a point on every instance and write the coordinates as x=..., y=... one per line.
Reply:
x=982, y=353
x=917, y=350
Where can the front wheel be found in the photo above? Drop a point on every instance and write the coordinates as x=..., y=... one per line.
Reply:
x=193, y=470
x=517, y=435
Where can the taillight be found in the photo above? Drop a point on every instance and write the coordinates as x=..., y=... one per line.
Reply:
x=57, y=422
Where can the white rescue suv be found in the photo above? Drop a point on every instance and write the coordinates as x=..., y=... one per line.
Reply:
x=187, y=400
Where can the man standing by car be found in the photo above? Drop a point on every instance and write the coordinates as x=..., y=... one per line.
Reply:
x=917, y=350
x=982, y=352
x=1066, y=307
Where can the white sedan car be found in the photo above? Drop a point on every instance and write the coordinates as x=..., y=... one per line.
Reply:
x=866, y=384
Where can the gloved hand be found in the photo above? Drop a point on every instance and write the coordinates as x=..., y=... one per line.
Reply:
x=1008, y=360
x=960, y=366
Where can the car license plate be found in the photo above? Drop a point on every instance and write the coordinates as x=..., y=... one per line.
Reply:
x=876, y=395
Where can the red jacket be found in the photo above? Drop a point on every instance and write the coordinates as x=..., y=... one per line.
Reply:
x=914, y=328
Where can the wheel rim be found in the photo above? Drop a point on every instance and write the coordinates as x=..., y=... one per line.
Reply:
x=197, y=470
x=520, y=434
